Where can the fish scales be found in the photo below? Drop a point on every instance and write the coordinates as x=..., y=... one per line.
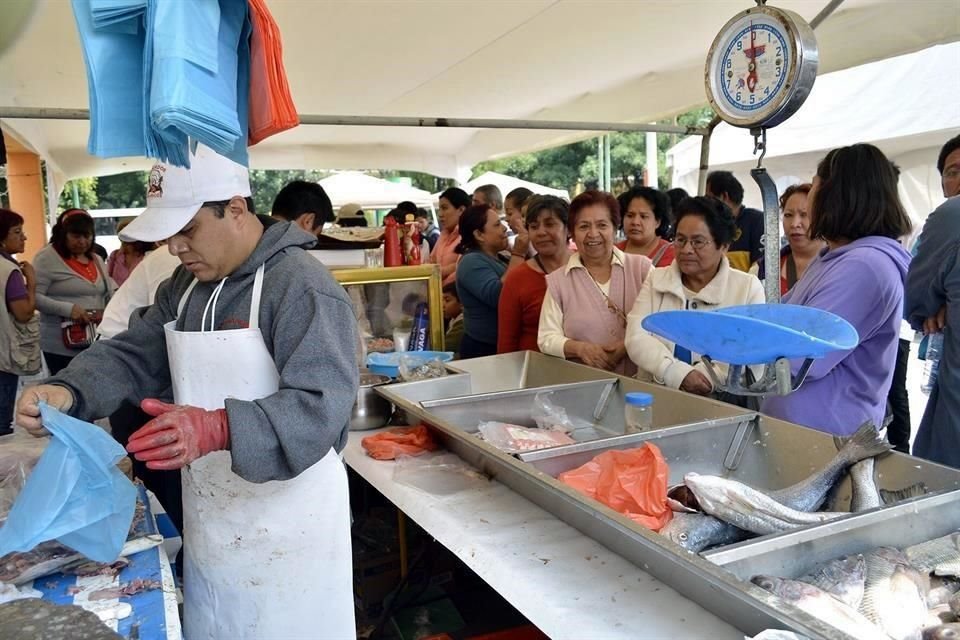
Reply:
x=843, y=578
x=928, y=556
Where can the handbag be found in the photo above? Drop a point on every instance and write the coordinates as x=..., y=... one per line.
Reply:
x=78, y=334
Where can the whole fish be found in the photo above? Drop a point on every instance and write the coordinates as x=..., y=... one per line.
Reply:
x=949, y=631
x=933, y=554
x=822, y=605
x=864, y=493
x=697, y=531
x=843, y=578
x=749, y=508
x=893, y=598
x=810, y=494
x=697, y=534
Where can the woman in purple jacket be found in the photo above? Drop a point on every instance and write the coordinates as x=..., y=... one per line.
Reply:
x=855, y=208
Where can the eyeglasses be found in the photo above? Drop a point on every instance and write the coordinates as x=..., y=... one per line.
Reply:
x=696, y=243
x=951, y=173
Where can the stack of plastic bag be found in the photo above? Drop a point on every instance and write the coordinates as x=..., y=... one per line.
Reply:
x=271, y=106
x=166, y=75
x=75, y=494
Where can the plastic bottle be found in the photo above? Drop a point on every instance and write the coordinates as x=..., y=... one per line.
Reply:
x=419, y=333
x=392, y=256
x=638, y=412
x=412, y=243
x=931, y=367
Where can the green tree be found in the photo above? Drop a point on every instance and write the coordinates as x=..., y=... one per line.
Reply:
x=266, y=184
x=79, y=192
x=123, y=190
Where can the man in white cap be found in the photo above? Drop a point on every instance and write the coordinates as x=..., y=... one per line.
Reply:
x=256, y=340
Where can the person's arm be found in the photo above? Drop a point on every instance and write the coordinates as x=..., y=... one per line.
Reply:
x=480, y=279
x=45, y=303
x=937, y=246
x=550, y=336
x=510, y=314
x=133, y=294
x=646, y=350
x=282, y=435
x=24, y=308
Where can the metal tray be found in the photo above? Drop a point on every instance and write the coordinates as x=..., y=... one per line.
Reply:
x=795, y=553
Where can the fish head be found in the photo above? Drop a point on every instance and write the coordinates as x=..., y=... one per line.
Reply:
x=687, y=531
x=950, y=631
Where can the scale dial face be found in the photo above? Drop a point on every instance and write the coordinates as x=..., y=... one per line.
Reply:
x=761, y=67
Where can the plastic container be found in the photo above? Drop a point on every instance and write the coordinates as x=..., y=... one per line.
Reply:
x=931, y=367
x=388, y=364
x=638, y=412
x=392, y=254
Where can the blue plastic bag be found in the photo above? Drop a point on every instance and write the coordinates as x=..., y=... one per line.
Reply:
x=75, y=494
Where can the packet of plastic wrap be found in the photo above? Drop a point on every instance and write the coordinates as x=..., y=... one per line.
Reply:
x=549, y=416
x=414, y=368
x=512, y=438
x=438, y=473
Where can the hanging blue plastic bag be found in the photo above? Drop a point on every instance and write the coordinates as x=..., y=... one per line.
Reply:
x=75, y=494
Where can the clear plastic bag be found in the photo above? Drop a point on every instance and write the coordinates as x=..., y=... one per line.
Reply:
x=412, y=367
x=439, y=473
x=550, y=416
x=512, y=438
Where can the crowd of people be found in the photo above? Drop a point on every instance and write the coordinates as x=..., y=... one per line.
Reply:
x=576, y=280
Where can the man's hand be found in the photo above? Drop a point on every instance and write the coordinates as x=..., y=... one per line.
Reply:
x=28, y=408
x=936, y=322
x=178, y=435
x=697, y=383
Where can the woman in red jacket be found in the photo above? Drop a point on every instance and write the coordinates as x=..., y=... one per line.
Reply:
x=525, y=286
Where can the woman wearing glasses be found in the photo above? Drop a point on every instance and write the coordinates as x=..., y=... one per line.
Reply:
x=584, y=311
x=699, y=278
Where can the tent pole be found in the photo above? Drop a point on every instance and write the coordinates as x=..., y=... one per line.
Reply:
x=825, y=13
x=705, y=156
x=600, y=163
x=608, y=187
x=37, y=113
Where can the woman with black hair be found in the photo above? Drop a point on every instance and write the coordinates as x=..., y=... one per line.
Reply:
x=72, y=289
x=453, y=203
x=646, y=220
x=700, y=278
x=855, y=208
x=480, y=275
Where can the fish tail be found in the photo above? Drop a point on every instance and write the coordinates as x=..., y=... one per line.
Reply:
x=865, y=443
x=896, y=495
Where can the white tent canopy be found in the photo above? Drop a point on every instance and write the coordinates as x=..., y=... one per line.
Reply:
x=908, y=106
x=540, y=59
x=506, y=184
x=370, y=192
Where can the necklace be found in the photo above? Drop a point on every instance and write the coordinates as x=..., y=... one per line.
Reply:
x=86, y=270
x=611, y=305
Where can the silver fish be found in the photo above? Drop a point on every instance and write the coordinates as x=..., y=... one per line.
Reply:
x=822, y=605
x=932, y=554
x=749, y=508
x=949, y=631
x=843, y=578
x=948, y=568
x=697, y=531
x=697, y=534
x=896, y=495
x=892, y=598
x=810, y=494
x=864, y=493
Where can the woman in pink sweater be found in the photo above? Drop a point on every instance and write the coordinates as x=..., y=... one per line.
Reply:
x=584, y=314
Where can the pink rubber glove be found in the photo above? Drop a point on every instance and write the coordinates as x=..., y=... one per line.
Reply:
x=178, y=435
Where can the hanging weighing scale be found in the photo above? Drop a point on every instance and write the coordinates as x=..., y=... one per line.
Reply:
x=760, y=69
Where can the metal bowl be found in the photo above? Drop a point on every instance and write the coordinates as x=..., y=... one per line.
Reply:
x=371, y=410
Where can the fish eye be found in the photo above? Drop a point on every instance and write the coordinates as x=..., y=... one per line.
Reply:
x=683, y=537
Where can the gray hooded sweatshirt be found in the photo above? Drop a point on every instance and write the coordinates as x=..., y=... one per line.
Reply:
x=308, y=326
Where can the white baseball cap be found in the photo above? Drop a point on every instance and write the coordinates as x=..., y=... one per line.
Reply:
x=175, y=194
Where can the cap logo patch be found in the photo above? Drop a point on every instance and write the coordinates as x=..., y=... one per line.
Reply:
x=155, y=182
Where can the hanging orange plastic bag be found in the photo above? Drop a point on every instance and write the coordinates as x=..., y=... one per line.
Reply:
x=632, y=482
x=407, y=441
x=271, y=106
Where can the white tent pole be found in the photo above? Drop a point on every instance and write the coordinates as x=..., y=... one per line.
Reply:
x=608, y=186
x=653, y=160
x=38, y=113
x=600, y=163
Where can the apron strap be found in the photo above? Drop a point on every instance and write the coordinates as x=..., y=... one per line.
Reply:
x=255, y=299
x=183, y=298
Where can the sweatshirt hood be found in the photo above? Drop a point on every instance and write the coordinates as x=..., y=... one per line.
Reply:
x=887, y=246
x=277, y=238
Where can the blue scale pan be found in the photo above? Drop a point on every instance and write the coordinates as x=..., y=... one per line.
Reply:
x=755, y=333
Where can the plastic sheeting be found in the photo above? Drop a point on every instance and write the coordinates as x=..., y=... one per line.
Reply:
x=75, y=494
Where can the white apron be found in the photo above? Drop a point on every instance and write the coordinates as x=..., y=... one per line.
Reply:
x=267, y=560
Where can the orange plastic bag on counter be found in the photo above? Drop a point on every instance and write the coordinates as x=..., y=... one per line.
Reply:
x=407, y=441
x=271, y=105
x=632, y=482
